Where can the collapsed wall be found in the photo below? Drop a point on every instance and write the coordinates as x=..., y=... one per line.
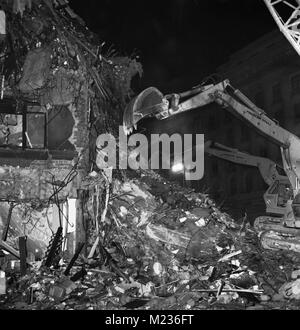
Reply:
x=59, y=91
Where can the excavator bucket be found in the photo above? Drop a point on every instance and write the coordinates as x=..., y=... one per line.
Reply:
x=146, y=104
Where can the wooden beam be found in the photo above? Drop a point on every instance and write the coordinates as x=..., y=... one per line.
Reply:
x=23, y=254
x=12, y=251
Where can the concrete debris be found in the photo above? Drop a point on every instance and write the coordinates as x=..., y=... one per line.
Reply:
x=168, y=236
x=35, y=69
x=58, y=292
x=230, y=255
x=2, y=283
x=162, y=262
x=295, y=274
x=291, y=290
x=265, y=297
x=278, y=297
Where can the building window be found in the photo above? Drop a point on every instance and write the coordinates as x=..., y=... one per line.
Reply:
x=212, y=122
x=279, y=115
x=245, y=134
x=227, y=117
x=11, y=127
x=215, y=190
x=22, y=129
x=215, y=168
x=230, y=167
x=230, y=137
x=276, y=93
x=59, y=128
x=259, y=99
x=233, y=186
x=249, y=183
x=295, y=84
x=263, y=151
x=27, y=127
x=297, y=112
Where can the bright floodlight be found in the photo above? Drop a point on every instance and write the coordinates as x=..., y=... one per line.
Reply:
x=177, y=167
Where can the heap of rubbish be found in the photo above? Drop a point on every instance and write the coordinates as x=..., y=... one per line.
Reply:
x=158, y=245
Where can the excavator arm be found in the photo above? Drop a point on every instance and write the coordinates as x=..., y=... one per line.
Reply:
x=152, y=103
x=266, y=167
x=222, y=93
x=279, y=190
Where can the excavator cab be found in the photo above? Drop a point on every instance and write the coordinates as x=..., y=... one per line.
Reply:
x=277, y=196
x=296, y=207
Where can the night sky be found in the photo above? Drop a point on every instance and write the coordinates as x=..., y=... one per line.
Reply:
x=179, y=42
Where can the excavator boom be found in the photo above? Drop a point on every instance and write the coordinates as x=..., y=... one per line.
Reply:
x=266, y=167
x=279, y=190
x=231, y=99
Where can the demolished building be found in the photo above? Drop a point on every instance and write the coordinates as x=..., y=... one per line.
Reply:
x=58, y=92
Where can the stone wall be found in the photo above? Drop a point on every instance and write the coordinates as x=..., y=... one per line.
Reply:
x=35, y=181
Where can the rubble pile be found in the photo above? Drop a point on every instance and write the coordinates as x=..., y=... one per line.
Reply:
x=159, y=246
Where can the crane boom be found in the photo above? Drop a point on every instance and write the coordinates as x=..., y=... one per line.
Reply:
x=288, y=24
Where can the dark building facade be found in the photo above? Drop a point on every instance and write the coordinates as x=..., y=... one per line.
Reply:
x=267, y=71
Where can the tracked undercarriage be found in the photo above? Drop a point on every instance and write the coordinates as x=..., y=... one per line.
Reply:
x=275, y=235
